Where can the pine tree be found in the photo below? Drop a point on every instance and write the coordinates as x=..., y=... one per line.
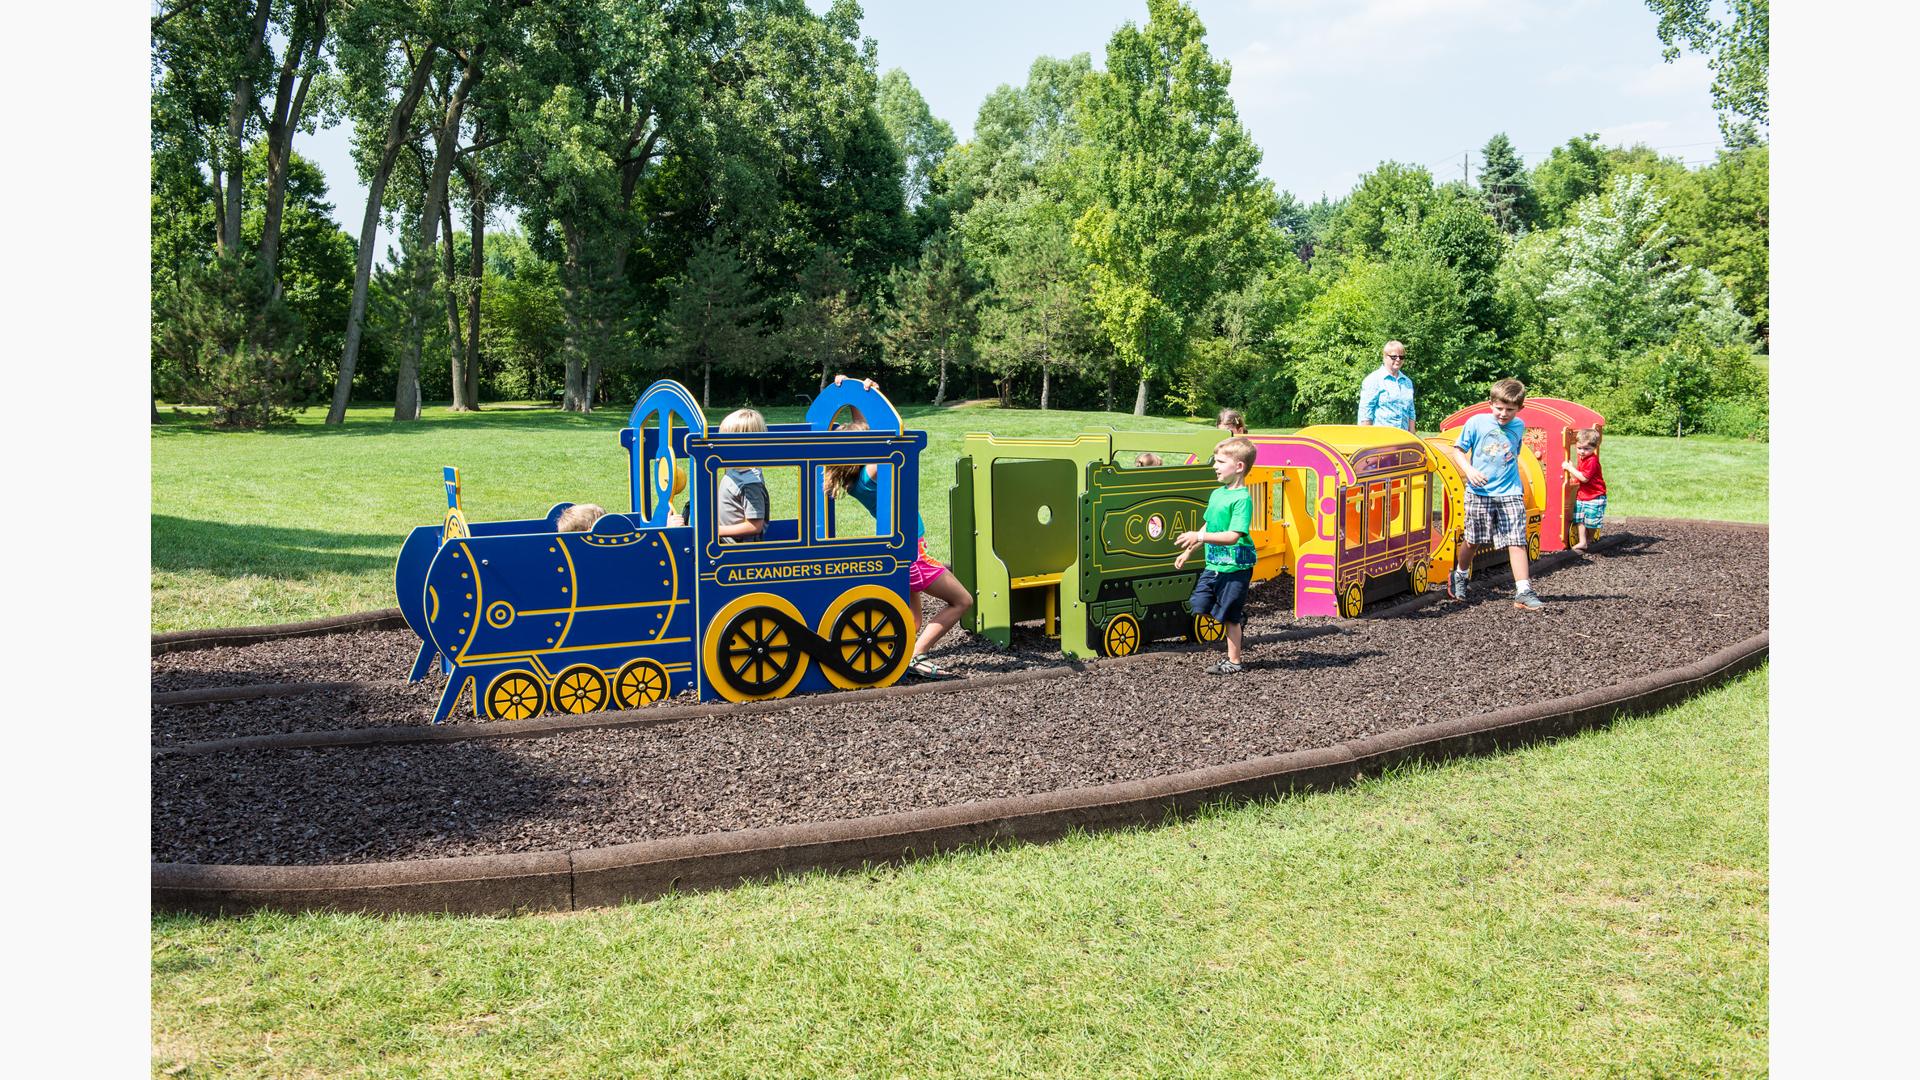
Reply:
x=1503, y=181
x=934, y=313
x=712, y=320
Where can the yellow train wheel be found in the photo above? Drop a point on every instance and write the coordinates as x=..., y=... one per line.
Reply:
x=750, y=656
x=640, y=682
x=1206, y=628
x=868, y=628
x=1352, y=600
x=1533, y=542
x=580, y=689
x=1121, y=636
x=515, y=695
x=1418, y=578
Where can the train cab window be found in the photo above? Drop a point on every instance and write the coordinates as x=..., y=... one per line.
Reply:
x=734, y=497
x=1277, y=498
x=1310, y=493
x=1417, y=501
x=1355, y=530
x=850, y=513
x=1258, y=492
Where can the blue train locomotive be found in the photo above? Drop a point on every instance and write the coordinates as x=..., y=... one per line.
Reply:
x=528, y=618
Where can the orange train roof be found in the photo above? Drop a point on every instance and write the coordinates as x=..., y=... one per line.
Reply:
x=1351, y=439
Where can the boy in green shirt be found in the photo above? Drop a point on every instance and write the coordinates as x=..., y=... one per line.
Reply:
x=1221, y=591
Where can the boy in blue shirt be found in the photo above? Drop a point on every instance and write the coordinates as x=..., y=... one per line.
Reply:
x=1487, y=453
x=1221, y=591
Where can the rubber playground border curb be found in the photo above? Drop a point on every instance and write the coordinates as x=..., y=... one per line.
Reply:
x=190, y=640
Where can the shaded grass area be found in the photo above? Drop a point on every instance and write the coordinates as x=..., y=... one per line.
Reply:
x=305, y=522
x=1596, y=906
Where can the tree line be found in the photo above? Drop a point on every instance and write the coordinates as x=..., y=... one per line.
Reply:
x=702, y=188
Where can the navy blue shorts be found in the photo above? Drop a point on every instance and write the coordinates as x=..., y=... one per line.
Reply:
x=1221, y=595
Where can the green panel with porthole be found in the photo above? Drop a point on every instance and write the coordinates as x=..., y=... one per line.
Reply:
x=1034, y=511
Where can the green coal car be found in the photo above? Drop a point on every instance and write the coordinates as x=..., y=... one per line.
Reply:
x=1071, y=533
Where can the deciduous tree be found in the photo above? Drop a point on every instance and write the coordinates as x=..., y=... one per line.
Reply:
x=1174, y=191
x=922, y=138
x=387, y=53
x=1736, y=51
x=1391, y=191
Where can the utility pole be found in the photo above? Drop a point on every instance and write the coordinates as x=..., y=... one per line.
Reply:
x=1463, y=167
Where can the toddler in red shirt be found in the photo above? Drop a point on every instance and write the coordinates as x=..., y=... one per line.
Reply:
x=1590, y=501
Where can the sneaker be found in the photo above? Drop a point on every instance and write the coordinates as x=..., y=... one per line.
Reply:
x=1457, y=585
x=1527, y=601
x=1224, y=667
x=926, y=669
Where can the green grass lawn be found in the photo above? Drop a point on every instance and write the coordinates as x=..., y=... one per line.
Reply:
x=305, y=522
x=1592, y=907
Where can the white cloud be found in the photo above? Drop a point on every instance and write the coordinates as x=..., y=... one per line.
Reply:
x=1321, y=35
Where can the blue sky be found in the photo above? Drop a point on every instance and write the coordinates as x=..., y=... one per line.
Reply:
x=1327, y=88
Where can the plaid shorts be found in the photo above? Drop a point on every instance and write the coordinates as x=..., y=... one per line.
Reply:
x=1590, y=512
x=1497, y=520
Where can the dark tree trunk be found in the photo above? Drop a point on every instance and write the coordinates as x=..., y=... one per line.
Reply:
x=456, y=336
x=289, y=101
x=237, y=111
x=574, y=291
x=1140, y=398
x=220, y=213
x=1046, y=358
x=406, y=402
x=477, y=264
x=397, y=130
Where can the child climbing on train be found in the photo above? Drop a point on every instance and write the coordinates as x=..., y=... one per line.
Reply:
x=1487, y=453
x=743, y=492
x=579, y=517
x=1221, y=590
x=1590, y=501
x=925, y=576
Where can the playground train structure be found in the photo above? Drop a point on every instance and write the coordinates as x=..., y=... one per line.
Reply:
x=526, y=618
x=651, y=603
x=1069, y=532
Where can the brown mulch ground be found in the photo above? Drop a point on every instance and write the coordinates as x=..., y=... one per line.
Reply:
x=1649, y=603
